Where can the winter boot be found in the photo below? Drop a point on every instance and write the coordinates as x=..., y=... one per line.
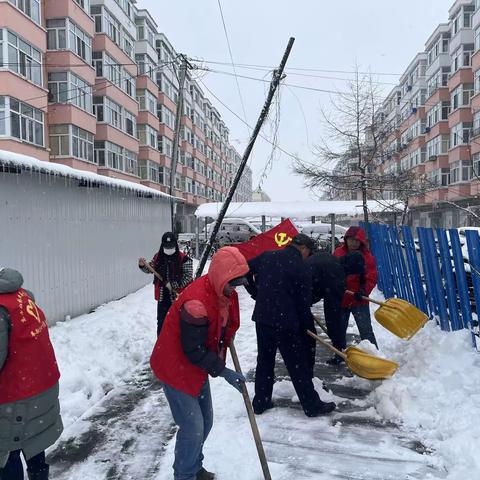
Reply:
x=41, y=474
x=203, y=474
x=335, y=360
x=262, y=408
x=321, y=409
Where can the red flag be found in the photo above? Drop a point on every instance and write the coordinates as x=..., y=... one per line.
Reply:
x=274, y=239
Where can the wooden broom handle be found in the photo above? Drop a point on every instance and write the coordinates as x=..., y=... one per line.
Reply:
x=382, y=304
x=326, y=344
x=251, y=417
x=320, y=324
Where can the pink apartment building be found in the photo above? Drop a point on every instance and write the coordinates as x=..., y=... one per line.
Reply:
x=93, y=84
x=436, y=113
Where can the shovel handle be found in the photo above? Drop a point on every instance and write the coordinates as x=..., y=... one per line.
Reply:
x=320, y=324
x=156, y=274
x=376, y=302
x=326, y=344
x=251, y=417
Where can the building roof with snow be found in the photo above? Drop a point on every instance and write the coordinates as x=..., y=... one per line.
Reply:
x=25, y=162
x=296, y=209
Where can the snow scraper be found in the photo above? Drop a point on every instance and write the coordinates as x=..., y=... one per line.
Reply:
x=362, y=363
x=398, y=316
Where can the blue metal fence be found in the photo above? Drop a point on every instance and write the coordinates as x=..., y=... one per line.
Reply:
x=439, y=272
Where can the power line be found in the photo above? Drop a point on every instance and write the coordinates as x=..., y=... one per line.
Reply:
x=231, y=58
x=297, y=68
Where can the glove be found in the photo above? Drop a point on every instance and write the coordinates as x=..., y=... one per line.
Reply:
x=358, y=295
x=233, y=378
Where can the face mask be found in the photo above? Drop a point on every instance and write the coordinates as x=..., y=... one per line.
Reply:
x=169, y=251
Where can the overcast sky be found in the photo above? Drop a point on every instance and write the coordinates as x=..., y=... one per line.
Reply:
x=382, y=36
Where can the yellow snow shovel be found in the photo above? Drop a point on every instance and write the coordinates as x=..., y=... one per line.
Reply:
x=398, y=316
x=362, y=363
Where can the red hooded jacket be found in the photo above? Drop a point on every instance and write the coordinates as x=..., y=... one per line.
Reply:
x=354, y=282
x=168, y=361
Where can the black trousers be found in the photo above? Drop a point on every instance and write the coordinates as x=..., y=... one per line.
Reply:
x=162, y=309
x=292, y=346
x=13, y=470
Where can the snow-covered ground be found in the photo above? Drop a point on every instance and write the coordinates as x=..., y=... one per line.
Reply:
x=433, y=394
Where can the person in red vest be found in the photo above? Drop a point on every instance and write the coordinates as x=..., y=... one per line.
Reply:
x=29, y=407
x=361, y=284
x=176, y=270
x=192, y=345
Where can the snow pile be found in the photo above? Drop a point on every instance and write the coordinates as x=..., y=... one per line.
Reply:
x=95, y=352
x=435, y=393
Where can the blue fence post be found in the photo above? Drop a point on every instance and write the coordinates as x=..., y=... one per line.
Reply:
x=377, y=253
x=449, y=279
x=415, y=276
x=462, y=283
x=433, y=305
x=432, y=257
x=403, y=277
x=388, y=276
x=473, y=246
x=398, y=287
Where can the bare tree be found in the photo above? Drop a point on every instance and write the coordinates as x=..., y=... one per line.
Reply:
x=357, y=135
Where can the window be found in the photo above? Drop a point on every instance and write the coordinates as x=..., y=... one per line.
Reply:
x=106, y=23
x=460, y=134
x=131, y=162
x=145, y=31
x=476, y=165
x=108, y=111
x=56, y=34
x=79, y=42
x=460, y=97
x=166, y=87
x=147, y=135
x=439, y=177
x=107, y=67
x=128, y=84
x=30, y=8
x=58, y=87
x=85, y=4
x=110, y=155
x=26, y=122
x=461, y=171
x=130, y=124
x=164, y=175
x=462, y=57
x=476, y=124
x=66, y=87
x=59, y=140
x=165, y=146
x=128, y=44
x=82, y=144
x=23, y=58
x=147, y=102
x=148, y=170
x=166, y=116
x=146, y=66
x=438, y=146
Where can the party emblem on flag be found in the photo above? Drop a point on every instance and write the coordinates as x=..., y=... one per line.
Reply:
x=281, y=239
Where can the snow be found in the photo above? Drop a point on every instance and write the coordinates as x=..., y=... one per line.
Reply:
x=33, y=164
x=434, y=394
x=292, y=209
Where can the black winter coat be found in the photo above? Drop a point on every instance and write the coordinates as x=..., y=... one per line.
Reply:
x=282, y=289
x=328, y=282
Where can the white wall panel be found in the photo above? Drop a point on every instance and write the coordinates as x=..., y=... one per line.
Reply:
x=76, y=247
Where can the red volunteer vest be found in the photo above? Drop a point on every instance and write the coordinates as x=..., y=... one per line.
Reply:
x=30, y=367
x=168, y=361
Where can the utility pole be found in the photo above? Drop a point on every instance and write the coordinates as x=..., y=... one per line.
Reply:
x=176, y=137
x=277, y=76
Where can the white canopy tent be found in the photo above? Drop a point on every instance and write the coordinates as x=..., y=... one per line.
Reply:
x=297, y=210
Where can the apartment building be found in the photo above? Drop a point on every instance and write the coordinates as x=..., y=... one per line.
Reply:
x=435, y=113
x=93, y=84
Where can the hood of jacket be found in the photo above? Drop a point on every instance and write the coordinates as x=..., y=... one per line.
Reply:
x=228, y=263
x=10, y=280
x=357, y=233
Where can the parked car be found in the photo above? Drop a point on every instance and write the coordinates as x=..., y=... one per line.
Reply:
x=233, y=230
x=322, y=233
